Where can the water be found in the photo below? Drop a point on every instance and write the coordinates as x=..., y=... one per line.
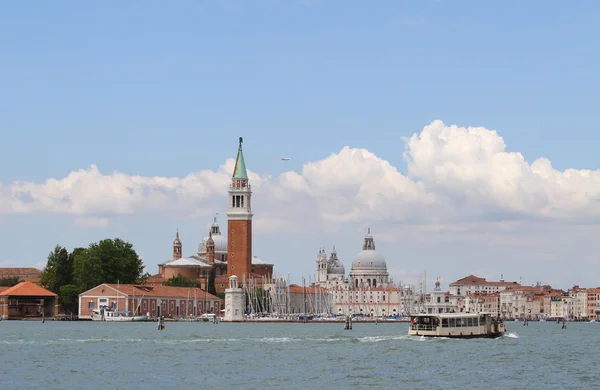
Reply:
x=95, y=355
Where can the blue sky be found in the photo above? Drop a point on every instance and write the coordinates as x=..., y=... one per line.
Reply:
x=157, y=89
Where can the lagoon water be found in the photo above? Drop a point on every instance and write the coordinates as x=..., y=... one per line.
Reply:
x=93, y=355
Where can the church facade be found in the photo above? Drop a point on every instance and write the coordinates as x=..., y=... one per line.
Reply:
x=367, y=291
x=227, y=254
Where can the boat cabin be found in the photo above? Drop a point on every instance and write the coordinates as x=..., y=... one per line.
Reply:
x=455, y=325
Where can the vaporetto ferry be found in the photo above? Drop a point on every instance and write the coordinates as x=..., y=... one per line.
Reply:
x=456, y=325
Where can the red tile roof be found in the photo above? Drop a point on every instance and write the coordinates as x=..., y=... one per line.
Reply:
x=23, y=272
x=474, y=280
x=160, y=291
x=27, y=289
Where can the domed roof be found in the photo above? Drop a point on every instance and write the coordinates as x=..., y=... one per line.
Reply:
x=219, y=240
x=369, y=258
x=335, y=265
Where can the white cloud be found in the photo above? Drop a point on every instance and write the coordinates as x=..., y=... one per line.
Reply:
x=90, y=222
x=458, y=178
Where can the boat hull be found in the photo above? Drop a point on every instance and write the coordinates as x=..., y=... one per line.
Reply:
x=457, y=336
x=112, y=318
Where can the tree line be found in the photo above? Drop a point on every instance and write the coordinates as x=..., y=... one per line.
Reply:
x=68, y=274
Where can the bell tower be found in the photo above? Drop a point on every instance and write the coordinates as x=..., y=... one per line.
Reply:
x=321, y=266
x=177, y=247
x=210, y=249
x=239, y=223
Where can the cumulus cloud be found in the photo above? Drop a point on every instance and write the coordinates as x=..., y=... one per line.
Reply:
x=457, y=177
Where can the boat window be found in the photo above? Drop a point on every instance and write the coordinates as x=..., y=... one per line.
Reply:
x=451, y=322
x=444, y=322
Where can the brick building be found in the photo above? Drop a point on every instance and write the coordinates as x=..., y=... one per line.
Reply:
x=172, y=302
x=26, y=300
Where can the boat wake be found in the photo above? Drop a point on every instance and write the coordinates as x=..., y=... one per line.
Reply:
x=511, y=335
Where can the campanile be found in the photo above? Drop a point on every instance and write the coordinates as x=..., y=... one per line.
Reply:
x=239, y=221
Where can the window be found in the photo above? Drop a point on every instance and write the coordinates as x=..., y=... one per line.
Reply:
x=144, y=305
x=232, y=231
x=242, y=200
x=153, y=305
x=233, y=201
x=90, y=305
x=237, y=201
x=232, y=243
x=232, y=267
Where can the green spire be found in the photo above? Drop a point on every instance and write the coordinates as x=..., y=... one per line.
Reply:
x=240, y=166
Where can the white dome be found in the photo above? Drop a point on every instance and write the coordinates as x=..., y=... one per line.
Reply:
x=219, y=240
x=369, y=259
x=335, y=265
x=336, y=268
x=220, y=244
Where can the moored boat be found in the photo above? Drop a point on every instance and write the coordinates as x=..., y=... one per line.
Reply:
x=116, y=316
x=456, y=325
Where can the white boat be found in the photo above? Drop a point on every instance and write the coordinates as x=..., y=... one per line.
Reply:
x=208, y=317
x=116, y=316
x=456, y=325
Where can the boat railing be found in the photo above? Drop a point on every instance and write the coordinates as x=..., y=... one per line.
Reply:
x=422, y=327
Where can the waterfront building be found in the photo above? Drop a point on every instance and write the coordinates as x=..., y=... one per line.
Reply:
x=524, y=302
x=472, y=284
x=27, y=300
x=580, y=303
x=561, y=306
x=593, y=306
x=439, y=301
x=155, y=301
x=223, y=254
x=482, y=302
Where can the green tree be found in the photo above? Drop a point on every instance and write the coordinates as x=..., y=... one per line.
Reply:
x=69, y=298
x=9, y=281
x=210, y=288
x=107, y=261
x=181, y=281
x=58, y=270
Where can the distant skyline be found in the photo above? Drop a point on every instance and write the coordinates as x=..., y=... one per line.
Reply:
x=462, y=133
